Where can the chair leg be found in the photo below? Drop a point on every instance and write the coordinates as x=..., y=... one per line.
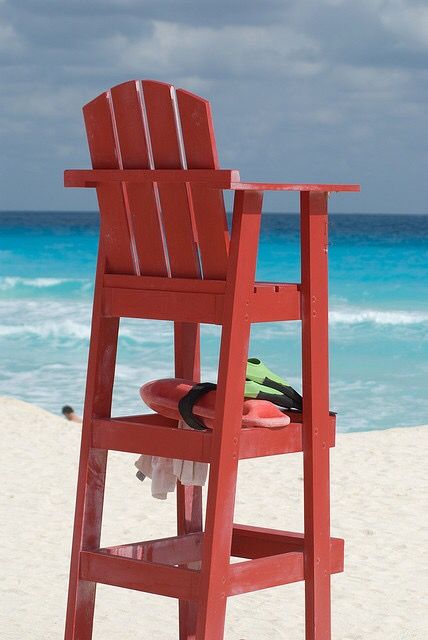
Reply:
x=87, y=531
x=216, y=559
x=189, y=499
x=92, y=471
x=317, y=547
x=189, y=519
x=314, y=252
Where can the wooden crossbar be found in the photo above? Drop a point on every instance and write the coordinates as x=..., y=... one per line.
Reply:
x=215, y=178
x=164, y=580
x=172, y=551
x=154, y=440
x=267, y=303
x=263, y=573
x=142, y=434
x=163, y=305
x=280, y=568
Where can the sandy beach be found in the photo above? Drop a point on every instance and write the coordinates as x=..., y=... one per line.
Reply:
x=379, y=505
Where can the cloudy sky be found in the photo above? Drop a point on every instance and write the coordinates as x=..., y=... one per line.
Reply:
x=302, y=90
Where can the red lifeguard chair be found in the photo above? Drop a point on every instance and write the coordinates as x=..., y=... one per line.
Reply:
x=165, y=254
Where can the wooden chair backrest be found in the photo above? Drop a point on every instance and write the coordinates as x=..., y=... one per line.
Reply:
x=170, y=230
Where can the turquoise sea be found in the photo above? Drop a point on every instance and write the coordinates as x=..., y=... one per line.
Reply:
x=378, y=316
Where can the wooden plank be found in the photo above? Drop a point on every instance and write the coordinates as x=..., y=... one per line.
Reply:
x=275, y=570
x=92, y=463
x=141, y=200
x=115, y=234
x=129, y=123
x=255, y=542
x=155, y=440
x=187, y=364
x=144, y=434
x=100, y=132
x=163, y=305
x=227, y=429
x=193, y=285
x=314, y=246
x=218, y=179
x=161, y=579
x=175, y=550
x=269, y=186
x=174, y=198
x=281, y=302
x=258, y=442
x=114, y=231
x=153, y=419
x=215, y=179
x=262, y=573
x=208, y=204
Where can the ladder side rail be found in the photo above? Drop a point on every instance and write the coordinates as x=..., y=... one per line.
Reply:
x=314, y=297
x=92, y=464
x=114, y=254
x=227, y=428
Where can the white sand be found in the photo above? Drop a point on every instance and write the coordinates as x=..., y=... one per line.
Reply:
x=378, y=506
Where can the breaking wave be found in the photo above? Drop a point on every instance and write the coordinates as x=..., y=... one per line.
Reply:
x=375, y=316
x=13, y=282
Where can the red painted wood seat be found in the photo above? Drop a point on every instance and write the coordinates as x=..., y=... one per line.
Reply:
x=166, y=253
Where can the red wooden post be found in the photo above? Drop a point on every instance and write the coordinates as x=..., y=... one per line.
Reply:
x=189, y=499
x=227, y=430
x=314, y=258
x=92, y=466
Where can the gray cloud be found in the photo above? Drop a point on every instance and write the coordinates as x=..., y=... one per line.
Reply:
x=327, y=90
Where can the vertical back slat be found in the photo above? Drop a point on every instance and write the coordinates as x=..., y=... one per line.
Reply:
x=175, y=204
x=141, y=199
x=208, y=204
x=114, y=235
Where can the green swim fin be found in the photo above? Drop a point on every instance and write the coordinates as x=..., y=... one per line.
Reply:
x=272, y=384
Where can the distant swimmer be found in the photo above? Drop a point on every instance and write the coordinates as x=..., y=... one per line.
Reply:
x=68, y=413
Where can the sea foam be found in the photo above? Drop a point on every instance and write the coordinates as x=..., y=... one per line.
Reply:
x=376, y=316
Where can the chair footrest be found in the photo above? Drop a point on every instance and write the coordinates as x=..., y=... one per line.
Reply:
x=275, y=558
x=158, y=436
x=151, y=577
x=171, y=566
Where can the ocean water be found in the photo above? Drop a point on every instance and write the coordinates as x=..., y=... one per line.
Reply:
x=378, y=316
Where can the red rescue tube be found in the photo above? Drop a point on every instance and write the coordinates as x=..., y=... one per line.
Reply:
x=164, y=395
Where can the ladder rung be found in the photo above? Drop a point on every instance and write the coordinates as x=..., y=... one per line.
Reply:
x=257, y=542
x=262, y=573
x=193, y=300
x=273, y=558
x=164, y=580
x=274, y=570
x=153, y=435
x=175, y=550
x=163, y=305
x=158, y=436
x=271, y=302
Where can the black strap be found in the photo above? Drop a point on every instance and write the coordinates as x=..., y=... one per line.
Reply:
x=187, y=402
x=287, y=391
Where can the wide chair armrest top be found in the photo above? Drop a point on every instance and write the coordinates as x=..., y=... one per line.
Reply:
x=215, y=178
x=272, y=186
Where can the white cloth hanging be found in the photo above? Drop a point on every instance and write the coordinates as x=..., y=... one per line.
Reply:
x=164, y=472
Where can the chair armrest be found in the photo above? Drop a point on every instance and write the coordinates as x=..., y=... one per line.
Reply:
x=268, y=186
x=215, y=178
